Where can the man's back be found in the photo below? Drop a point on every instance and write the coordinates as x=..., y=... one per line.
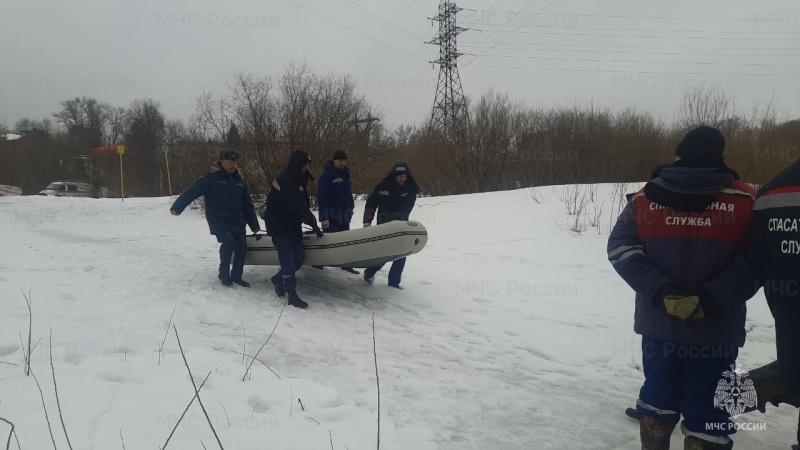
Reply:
x=776, y=227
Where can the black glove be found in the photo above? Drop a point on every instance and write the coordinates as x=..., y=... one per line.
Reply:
x=769, y=388
x=319, y=232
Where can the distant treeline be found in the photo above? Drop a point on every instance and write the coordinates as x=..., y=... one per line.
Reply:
x=505, y=145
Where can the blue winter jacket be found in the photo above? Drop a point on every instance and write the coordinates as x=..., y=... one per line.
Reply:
x=227, y=200
x=335, y=195
x=776, y=241
x=287, y=205
x=652, y=245
x=389, y=201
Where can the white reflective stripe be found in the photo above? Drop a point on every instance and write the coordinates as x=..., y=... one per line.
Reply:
x=338, y=180
x=738, y=192
x=644, y=405
x=276, y=185
x=787, y=199
x=383, y=192
x=640, y=194
x=622, y=248
x=721, y=440
x=628, y=255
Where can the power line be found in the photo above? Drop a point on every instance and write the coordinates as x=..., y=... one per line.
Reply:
x=509, y=20
x=404, y=17
x=565, y=69
x=647, y=52
x=427, y=88
x=694, y=47
x=616, y=16
x=635, y=61
x=355, y=31
x=379, y=18
x=477, y=22
x=413, y=9
x=515, y=29
x=424, y=8
x=490, y=8
x=403, y=86
x=644, y=36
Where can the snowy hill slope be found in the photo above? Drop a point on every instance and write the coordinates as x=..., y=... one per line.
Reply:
x=513, y=332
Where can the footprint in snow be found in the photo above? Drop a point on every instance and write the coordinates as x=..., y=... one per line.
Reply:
x=258, y=404
x=8, y=349
x=425, y=283
x=73, y=358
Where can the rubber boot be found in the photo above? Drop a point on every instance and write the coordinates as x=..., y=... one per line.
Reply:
x=654, y=434
x=225, y=281
x=277, y=281
x=296, y=301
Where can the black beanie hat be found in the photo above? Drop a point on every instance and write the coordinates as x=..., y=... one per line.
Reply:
x=227, y=154
x=298, y=159
x=399, y=168
x=339, y=154
x=703, y=145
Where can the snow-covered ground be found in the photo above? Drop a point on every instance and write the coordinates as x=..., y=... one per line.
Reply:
x=513, y=332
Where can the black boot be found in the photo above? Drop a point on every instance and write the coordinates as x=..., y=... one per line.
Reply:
x=351, y=270
x=242, y=283
x=654, y=434
x=225, y=281
x=296, y=301
x=277, y=281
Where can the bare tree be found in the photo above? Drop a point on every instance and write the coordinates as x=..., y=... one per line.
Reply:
x=705, y=105
x=145, y=133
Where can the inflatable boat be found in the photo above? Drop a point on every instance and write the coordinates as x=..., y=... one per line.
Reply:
x=357, y=248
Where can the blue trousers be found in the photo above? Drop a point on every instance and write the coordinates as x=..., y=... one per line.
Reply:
x=682, y=380
x=233, y=245
x=395, y=273
x=291, y=257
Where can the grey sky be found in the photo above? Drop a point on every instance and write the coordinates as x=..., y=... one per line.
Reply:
x=172, y=50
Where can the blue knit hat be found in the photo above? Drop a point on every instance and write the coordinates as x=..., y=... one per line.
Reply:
x=227, y=154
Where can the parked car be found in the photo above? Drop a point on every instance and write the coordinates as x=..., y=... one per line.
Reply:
x=67, y=189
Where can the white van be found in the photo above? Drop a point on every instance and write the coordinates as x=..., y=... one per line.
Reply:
x=67, y=189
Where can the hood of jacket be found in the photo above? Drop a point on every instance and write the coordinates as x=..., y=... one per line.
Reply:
x=400, y=168
x=689, y=189
x=297, y=160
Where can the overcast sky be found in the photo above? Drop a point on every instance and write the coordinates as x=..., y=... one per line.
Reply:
x=172, y=50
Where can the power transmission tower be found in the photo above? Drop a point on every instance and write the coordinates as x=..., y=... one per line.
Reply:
x=449, y=114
